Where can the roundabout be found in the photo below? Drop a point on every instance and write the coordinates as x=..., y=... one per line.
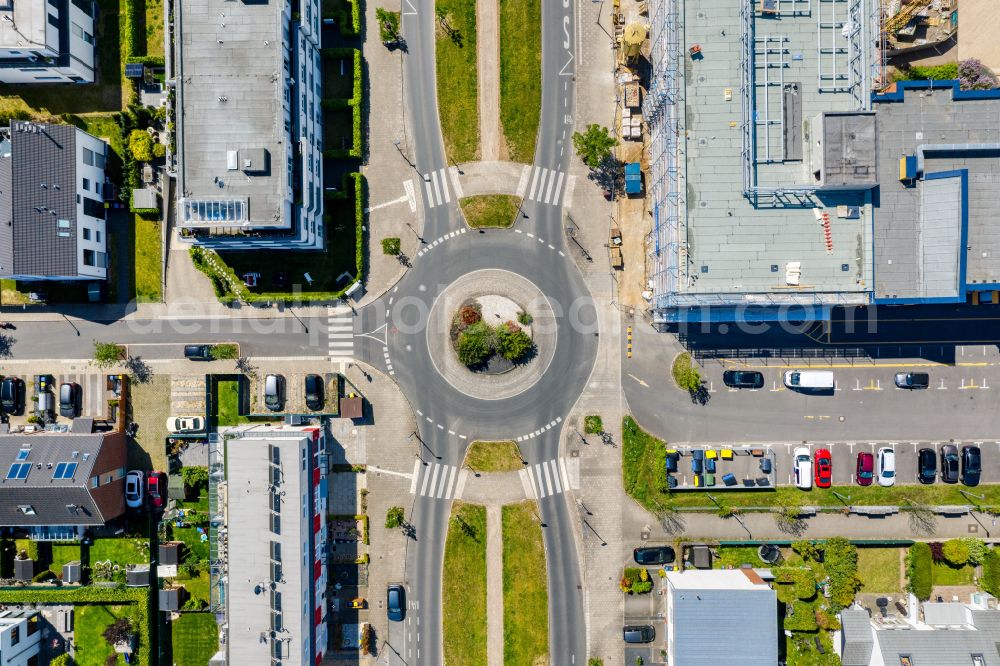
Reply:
x=500, y=294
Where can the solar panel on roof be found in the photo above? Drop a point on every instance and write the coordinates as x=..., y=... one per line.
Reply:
x=23, y=454
x=64, y=470
x=133, y=71
x=60, y=468
x=19, y=471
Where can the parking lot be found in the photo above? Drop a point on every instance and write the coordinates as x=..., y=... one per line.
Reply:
x=723, y=468
x=93, y=400
x=295, y=399
x=844, y=455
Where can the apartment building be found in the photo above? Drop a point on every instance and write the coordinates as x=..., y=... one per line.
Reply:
x=47, y=41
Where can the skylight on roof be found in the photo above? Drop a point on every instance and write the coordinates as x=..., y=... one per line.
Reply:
x=64, y=470
x=23, y=454
x=19, y=471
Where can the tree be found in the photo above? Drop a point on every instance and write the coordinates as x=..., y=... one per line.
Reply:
x=806, y=550
x=956, y=552
x=515, y=344
x=159, y=150
x=195, y=478
x=119, y=631
x=977, y=550
x=388, y=25
x=62, y=660
x=106, y=354
x=475, y=344
x=594, y=146
x=394, y=517
x=140, y=144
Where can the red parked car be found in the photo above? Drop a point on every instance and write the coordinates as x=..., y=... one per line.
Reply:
x=823, y=464
x=866, y=469
x=156, y=489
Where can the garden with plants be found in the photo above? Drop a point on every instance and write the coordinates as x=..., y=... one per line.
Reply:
x=487, y=347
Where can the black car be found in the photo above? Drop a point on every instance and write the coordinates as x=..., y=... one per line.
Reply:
x=912, y=380
x=949, y=463
x=69, y=399
x=12, y=395
x=653, y=555
x=926, y=466
x=396, y=602
x=314, y=392
x=743, y=379
x=198, y=352
x=972, y=466
x=639, y=633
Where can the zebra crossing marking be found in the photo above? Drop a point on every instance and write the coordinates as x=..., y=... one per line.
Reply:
x=438, y=481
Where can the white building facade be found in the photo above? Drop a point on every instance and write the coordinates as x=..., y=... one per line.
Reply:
x=20, y=639
x=47, y=41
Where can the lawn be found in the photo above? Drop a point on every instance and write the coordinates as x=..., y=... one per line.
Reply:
x=154, y=27
x=520, y=76
x=90, y=623
x=61, y=554
x=490, y=210
x=879, y=569
x=121, y=551
x=943, y=573
x=9, y=295
x=148, y=260
x=733, y=557
x=494, y=457
x=227, y=403
x=643, y=475
x=197, y=587
x=190, y=536
x=457, y=85
x=195, y=638
x=525, y=587
x=464, y=586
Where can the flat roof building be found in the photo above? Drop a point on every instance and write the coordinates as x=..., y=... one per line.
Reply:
x=721, y=617
x=20, y=638
x=275, y=545
x=47, y=42
x=249, y=123
x=52, y=215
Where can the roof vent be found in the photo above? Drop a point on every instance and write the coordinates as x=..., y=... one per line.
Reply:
x=232, y=160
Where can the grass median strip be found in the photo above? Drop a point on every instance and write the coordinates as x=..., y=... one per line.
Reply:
x=490, y=210
x=520, y=75
x=464, y=586
x=525, y=587
x=644, y=478
x=457, y=80
x=494, y=457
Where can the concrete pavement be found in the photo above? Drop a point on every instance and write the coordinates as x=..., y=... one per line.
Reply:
x=494, y=585
x=488, y=69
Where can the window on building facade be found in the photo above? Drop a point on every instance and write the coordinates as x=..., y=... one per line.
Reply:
x=86, y=233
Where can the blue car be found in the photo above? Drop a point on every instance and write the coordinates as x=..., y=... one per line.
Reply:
x=396, y=602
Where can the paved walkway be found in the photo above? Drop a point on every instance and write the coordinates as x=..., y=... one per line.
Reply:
x=488, y=64
x=494, y=585
x=495, y=177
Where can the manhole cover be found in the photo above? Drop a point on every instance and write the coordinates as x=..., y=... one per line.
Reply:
x=973, y=528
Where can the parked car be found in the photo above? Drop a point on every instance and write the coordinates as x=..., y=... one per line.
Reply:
x=314, y=392
x=274, y=392
x=949, y=463
x=926, y=466
x=198, y=352
x=134, y=482
x=653, y=555
x=823, y=462
x=185, y=424
x=743, y=379
x=886, y=466
x=156, y=489
x=865, y=471
x=912, y=380
x=12, y=395
x=972, y=465
x=802, y=468
x=69, y=400
x=396, y=602
x=639, y=633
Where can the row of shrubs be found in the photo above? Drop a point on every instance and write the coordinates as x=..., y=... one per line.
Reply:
x=353, y=103
x=921, y=557
x=348, y=17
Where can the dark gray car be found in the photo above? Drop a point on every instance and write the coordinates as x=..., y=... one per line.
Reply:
x=949, y=463
x=396, y=602
x=639, y=633
x=69, y=399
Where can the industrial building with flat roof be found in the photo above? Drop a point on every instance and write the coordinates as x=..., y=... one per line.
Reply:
x=249, y=125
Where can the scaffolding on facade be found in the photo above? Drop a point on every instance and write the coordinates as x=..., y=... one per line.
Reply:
x=663, y=110
x=218, y=557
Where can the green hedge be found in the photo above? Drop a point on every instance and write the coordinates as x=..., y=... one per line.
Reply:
x=803, y=617
x=991, y=572
x=802, y=578
x=841, y=564
x=349, y=18
x=148, y=60
x=354, y=103
x=918, y=570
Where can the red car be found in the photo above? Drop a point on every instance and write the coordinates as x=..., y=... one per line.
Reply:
x=866, y=469
x=823, y=464
x=156, y=489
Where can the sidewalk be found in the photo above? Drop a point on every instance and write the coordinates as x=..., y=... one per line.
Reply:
x=488, y=66
x=495, y=177
x=394, y=203
x=494, y=585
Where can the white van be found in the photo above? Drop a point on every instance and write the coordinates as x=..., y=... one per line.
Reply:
x=809, y=379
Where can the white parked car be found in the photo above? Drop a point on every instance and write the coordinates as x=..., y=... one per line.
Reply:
x=185, y=424
x=802, y=468
x=133, y=489
x=886, y=466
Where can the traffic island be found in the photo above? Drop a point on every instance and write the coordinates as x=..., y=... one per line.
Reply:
x=490, y=211
x=492, y=334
